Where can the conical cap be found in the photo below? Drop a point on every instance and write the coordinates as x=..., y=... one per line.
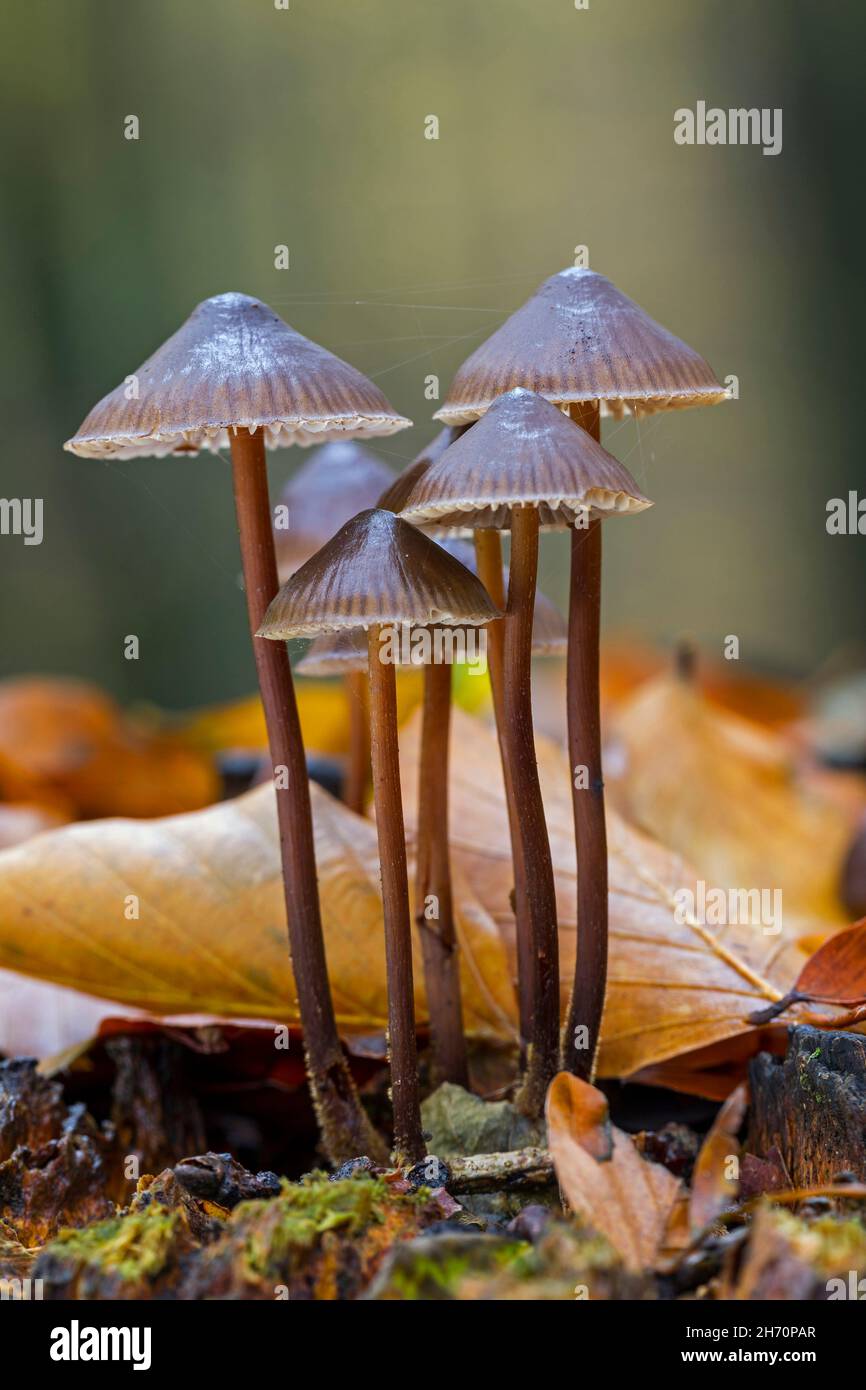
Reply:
x=234, y=365
x=335, y=483
x=377, y=569
x=579, y=338
x=522, y=452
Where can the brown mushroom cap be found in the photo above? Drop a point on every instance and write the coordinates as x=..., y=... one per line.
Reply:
x=334, y=484
x=338, y=653
x=234, y=365
x=522, y=453
x=377, y=569
x=579, y=338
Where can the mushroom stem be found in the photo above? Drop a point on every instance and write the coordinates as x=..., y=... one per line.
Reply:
x=488, y=555
x=434, y=915
x=346, y=1131
x=358, y=759
x=537, y=881
x=583, y=1024
x=408, y=1140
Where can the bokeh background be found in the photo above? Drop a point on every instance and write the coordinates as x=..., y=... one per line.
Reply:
x=261, y=126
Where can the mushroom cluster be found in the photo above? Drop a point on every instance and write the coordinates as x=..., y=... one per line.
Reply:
x=383, y=571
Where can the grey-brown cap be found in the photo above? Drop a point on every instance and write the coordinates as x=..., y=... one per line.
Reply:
x=338, y=653
x=334, y=484
x=234, y=365
x=579, y=338
x=523, y=452
x=377, y=570
x=393, y=499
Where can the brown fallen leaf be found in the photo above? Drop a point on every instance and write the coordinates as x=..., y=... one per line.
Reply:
x=714, y=1185
x=209, y=937
x=186, y=915
x=65, y=745
x=625, y=1197
x=727, y=794
x=673, y=986
x=835, y=973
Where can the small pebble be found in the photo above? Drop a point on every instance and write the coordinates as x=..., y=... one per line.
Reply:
x=351, y=1167
x=530, y=1223
x=430, y=1172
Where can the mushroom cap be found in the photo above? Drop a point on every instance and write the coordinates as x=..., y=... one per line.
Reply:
x=579, y=338
x=394, y=497
x=522, y=453
x=377, y=569
x=234, y=365
x=335, y=483
x=339, y=653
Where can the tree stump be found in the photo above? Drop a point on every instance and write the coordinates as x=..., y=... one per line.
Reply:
x=811, y=1105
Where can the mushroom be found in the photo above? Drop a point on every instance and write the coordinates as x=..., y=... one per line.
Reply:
x=334, y=653
x=524, y=467
x=584, y=345
x=394, y=496
x=335, y=483
x=236, y=375
x=378, y=572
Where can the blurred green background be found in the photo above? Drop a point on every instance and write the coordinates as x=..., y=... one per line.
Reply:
x=305, y=126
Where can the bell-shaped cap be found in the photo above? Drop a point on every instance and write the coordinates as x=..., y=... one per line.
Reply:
x=339, y=653
x=579, y=338
x=335, y=483
x=377, y=569
x=234, y=365
x=522, y=453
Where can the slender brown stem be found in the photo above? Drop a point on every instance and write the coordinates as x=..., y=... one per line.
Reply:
x=408, y=1140
x=434, y=915
x=538, y=882
x=358, y=760
x=346, y=1131
x=583, y=1024
x=488, y=554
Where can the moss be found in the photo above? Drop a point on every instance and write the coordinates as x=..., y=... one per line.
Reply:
x=134, y=1249
x=828, y=1243
x=434, y=1267
x=296, y=1222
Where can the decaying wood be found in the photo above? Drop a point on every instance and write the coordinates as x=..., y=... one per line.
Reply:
x=811, y=1105
x=520, y=1168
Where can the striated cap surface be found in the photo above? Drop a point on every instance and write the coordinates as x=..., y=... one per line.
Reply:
x=377, y=569
x=579, y=338
x=234, y=365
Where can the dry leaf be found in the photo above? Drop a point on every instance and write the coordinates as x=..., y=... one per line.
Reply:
x=625, y=1197
x=672, y=986
x=725, y=793
x=837, y=970
x=713, y=1189
x=64, y=745
x=209, y=936
x=20, y=821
